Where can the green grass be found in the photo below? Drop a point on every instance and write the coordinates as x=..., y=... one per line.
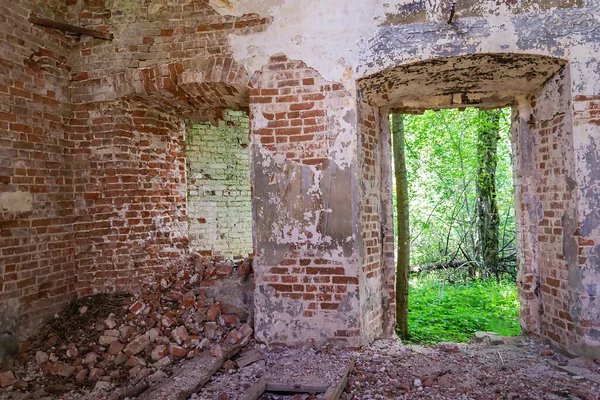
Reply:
x=439, y=311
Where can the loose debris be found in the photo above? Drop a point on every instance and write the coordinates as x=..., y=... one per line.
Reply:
x=515, y=369
x=192, y=375
x=118, y=345
x=335, y=391
x=121, y=346
x=275, y=372
x=235, y=381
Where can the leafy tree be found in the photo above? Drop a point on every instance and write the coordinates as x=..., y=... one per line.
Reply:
x=441, y=150
x=488, y=219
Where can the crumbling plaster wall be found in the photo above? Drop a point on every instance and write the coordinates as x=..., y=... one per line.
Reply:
x=370, y=231
x=556, y=213
x=187, y=58
x=303, y=147
x=219, y=213
x=370, y=36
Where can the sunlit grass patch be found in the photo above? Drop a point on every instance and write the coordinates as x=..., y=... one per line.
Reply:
x=440, y=311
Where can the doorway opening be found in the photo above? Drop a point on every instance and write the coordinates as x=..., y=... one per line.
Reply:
x=539, y=90
x=454, y=193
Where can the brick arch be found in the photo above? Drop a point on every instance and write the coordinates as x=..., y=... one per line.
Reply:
x=192, y=88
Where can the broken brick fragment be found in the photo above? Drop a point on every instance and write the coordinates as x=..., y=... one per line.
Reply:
x=213, y=312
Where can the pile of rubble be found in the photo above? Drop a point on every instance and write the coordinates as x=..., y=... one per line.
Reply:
x=136, y=341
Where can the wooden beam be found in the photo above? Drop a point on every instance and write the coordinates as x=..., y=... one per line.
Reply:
x=248, y=358
x=335, y=392
x=296, y=387
x=190, y=375
x=255, y=391
x=69, y=28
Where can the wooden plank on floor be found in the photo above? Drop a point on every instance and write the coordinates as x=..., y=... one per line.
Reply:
x=296, y=387
x=249, y=357
x=583, y=372
x=190, y=376
x=335, y=392
x=256, y=390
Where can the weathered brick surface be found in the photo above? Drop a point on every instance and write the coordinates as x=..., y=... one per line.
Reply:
x=526, y=230
x=309, y=289
x=130, y=185
x=37, y=263
x=294, y=101
x=546, y=218
x=176, y=56
x=370, y=203
x=93, y=195
x=220, y=218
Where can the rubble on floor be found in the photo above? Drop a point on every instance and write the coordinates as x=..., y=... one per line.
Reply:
x=111, y=345
x=519, y=368
x=171, y=340
x=283, y=369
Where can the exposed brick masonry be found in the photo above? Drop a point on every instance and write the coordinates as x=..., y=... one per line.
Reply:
x=130, y=193
x=37, y=260
x=291, y=112
x=370, y=220
x=220, y=218
x=294, y=100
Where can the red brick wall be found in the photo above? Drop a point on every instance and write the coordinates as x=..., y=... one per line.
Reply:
x=388, y=240
x=370, y=217
x=108, y=196
x=36, y=241
x=294, y=115
x=318, y=283
x=130, y=193
x=175, y=38
x=551, y=243
x=294, y=101
x=555, y=197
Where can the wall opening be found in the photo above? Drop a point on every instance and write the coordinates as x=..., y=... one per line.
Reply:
x=539, y=88
x=219, y=190
x=457, y=187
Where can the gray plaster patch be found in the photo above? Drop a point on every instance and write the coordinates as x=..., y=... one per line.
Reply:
x=570, y=246
x=575, y=306
x=9, y=316
x=594, y=259
x=16, y=201
x=270, y=250
x=594, y=333
x=590, y=186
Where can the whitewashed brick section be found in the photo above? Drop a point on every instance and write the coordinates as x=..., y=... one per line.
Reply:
x=219, y=187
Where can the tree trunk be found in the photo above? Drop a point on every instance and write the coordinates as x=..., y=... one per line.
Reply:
x=488, y=220
x=403, y=261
